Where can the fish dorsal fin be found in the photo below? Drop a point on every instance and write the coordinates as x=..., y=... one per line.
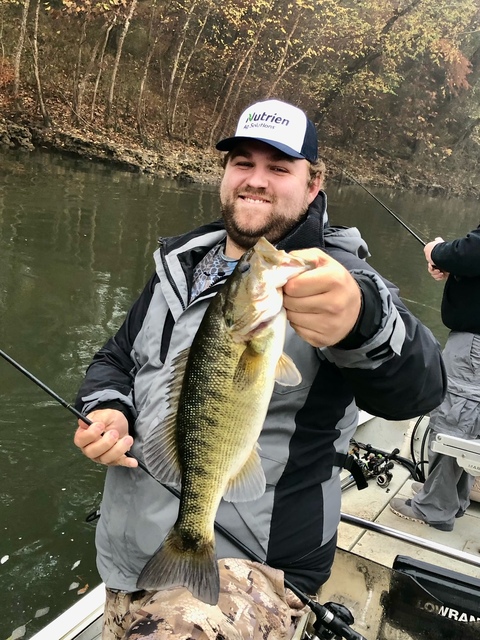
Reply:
x=160, y=448
x=286, y=372
x=249, y=483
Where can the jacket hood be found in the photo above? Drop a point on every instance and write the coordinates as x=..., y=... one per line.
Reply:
x=348, y=239
x=314, y=230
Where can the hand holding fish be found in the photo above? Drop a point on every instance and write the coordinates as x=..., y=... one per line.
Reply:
x=106, y=440
x=323, y=304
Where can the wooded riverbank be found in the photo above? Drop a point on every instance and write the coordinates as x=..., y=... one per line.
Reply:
x=150, y=85
x=182, y=162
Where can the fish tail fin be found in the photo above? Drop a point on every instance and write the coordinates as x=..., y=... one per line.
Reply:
x=174, y=564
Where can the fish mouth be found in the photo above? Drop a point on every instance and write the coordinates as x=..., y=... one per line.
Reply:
x=258, y=319
x=261, y=300
x=268, y=256
x=258, y=328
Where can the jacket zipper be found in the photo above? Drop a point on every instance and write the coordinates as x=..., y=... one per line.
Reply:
x=170, y=279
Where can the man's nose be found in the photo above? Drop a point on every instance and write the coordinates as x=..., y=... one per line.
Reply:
x=258, y=177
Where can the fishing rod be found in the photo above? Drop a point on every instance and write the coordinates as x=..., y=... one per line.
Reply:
x=392, y=213
x=63, y=402
x=333, y=617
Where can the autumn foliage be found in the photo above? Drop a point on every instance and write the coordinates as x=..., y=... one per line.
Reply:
x=397, y=80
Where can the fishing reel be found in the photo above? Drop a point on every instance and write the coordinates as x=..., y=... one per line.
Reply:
x=333, y=622
x=384, y=478
x=380, y=467
x=373, y=463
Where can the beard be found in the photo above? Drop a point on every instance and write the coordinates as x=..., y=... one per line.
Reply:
x=275, y=227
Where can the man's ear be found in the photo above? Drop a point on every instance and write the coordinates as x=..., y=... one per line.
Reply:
x=314, y=187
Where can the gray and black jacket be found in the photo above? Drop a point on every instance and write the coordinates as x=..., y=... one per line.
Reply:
x=394, y=370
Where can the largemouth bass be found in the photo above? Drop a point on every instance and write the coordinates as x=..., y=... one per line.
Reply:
x=221, y=392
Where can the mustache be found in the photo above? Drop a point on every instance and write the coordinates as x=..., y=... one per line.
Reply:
x=253, y=191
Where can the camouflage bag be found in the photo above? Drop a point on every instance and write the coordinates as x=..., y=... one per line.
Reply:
x=253, y=605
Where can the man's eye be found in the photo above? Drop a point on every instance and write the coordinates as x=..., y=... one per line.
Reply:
x=280, y=169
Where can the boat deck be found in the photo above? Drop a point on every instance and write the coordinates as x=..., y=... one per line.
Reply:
x=362, y=578
x=372, y=504
x=380, y=548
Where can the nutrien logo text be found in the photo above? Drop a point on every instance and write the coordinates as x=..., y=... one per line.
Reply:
x=265, y=120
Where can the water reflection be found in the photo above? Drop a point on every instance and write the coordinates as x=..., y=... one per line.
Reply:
x=75, y=250
x=76, y=240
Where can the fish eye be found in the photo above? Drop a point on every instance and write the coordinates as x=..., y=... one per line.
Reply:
x=243, y=267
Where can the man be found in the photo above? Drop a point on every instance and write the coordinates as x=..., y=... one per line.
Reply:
x=445, y=495
x=354, y=342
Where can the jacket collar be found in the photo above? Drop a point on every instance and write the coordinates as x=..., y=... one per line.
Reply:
x=309, y=231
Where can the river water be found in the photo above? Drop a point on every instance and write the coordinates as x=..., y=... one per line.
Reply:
x=76, y=240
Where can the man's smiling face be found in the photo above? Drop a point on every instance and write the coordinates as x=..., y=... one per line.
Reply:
x=263, y=193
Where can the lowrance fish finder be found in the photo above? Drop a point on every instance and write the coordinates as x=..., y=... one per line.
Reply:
x=467, y=452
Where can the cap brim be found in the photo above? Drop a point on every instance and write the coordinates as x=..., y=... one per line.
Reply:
x=230, y=143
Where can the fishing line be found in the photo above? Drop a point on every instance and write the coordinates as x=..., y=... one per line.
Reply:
x=420, y=304
x=334, y=622
x=392, y=213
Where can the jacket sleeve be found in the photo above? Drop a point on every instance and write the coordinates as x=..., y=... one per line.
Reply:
x=398, y=373
x=459, y=257
x=108, y=382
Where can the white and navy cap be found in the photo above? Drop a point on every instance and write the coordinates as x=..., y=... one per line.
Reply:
x=280, y=125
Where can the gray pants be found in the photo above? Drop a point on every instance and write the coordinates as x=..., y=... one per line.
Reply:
x=445, y=494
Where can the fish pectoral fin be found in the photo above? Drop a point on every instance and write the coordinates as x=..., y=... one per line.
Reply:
x=160, y=452
x=286, y=372
x=249, y=483
x=248, y=367
x=160, y=446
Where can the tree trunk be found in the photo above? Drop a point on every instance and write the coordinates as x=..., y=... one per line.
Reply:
x=2, y=45
x=19, y=52
x=466, y=133
x=283, y=56
x=215, y=131
x=116, y=63
x=46, y=118
x=78, y=72
x=176, y=62
x=284, y=72
x=186, y=66
x=83, y=81
x=152, y=43
x=100, y=66
x=446, y=120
